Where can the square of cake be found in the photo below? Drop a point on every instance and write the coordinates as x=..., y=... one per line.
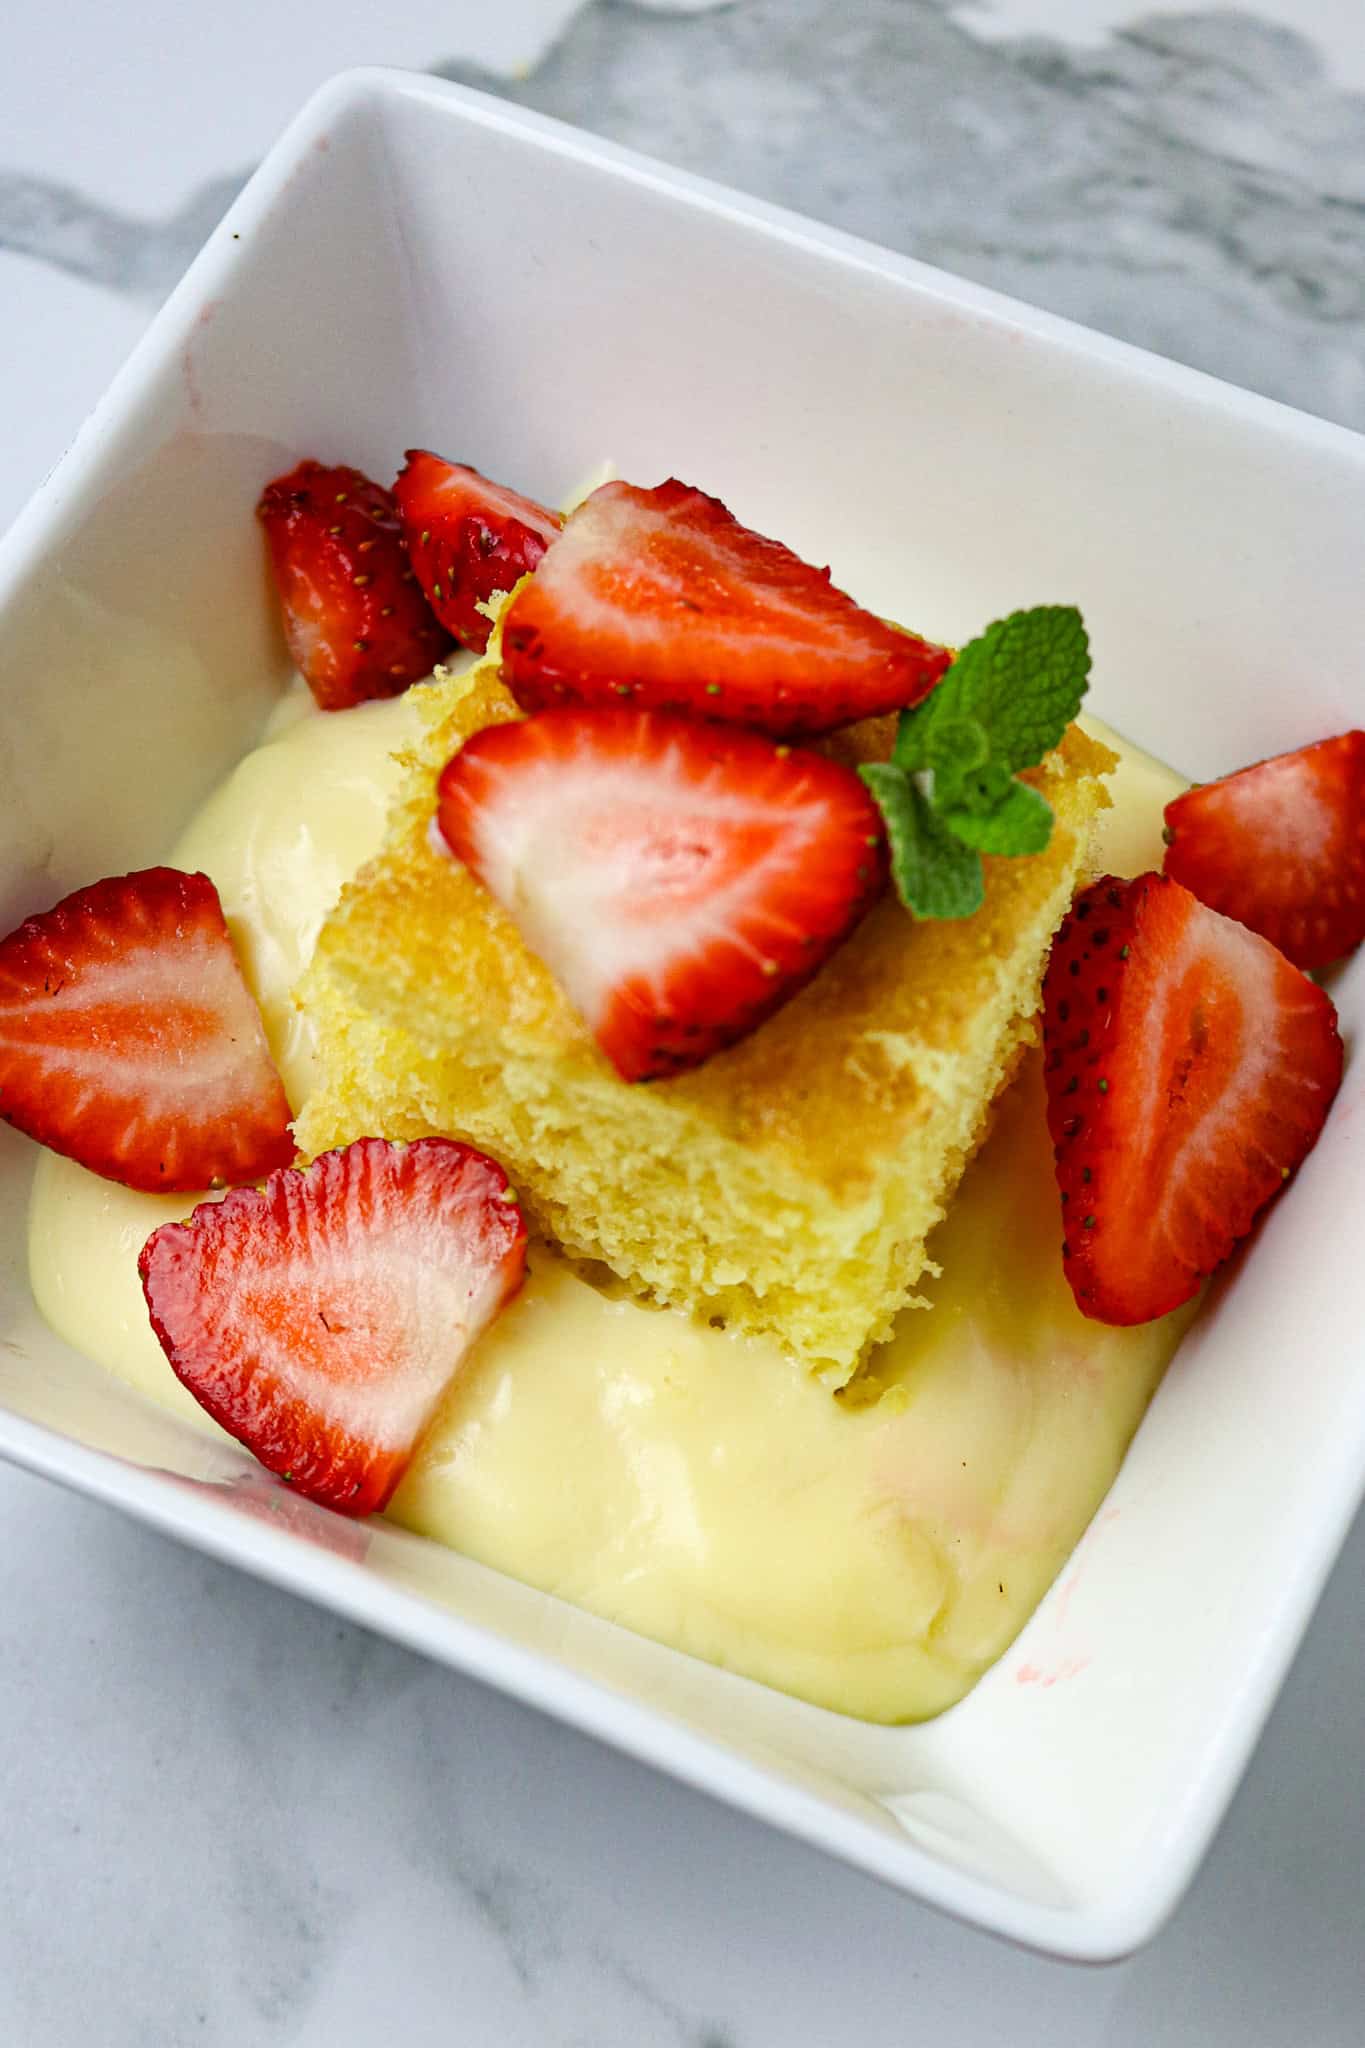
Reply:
x=789, y=1185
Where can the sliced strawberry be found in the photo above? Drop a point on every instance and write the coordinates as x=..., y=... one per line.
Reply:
x=321, y=1318
x=356, y=622
x=1281, y=847
x=663, y=598
x=130, y=1042
x=680, y=880
x=468, y=539
x=1189, y=1071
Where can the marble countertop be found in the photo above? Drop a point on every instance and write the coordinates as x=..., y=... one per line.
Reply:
x=231, y=1819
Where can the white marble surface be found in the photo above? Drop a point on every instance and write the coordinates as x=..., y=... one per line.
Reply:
x=227, y=1818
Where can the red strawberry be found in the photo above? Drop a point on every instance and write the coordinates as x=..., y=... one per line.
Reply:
x=662, y=597
x=321, y=1318
x=129, y=1040
x=468, y=539
x=1189, y=1071
x=1281, y=847
x=680, y=880
x=356, y=622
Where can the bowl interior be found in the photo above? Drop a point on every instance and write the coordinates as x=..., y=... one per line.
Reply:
x=419, y=266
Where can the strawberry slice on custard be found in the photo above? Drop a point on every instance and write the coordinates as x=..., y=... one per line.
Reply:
x=320, y=1318
x=469, y=539
x=357, y=624
x=130, y=1042
x=1281, y=847
x=680, y=880
x=1190, y=1068
x=661, y=599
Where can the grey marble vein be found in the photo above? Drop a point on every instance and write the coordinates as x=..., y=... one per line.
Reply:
x=61, y=225
x=683, y=2026
x=277, y=1853
x=1196, y=185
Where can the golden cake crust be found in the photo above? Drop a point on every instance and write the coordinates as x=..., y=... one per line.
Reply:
x=812, y=1157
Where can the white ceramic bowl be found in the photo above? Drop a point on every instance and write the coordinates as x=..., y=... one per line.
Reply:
x=417, y=264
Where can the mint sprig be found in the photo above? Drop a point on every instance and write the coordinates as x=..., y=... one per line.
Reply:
x=950, y=791
x=937, y=874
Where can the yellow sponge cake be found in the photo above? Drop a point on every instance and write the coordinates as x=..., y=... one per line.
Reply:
x=789, y=1184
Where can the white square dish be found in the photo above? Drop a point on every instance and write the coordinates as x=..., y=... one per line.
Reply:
x=416, y=263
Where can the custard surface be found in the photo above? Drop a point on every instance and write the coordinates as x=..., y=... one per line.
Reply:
x=873, y=1557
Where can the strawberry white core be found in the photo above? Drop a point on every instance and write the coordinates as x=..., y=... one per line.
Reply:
x=321, y=1318
x=1288, y=810
x=465, y=490
x=620, y=870
x=691, y=576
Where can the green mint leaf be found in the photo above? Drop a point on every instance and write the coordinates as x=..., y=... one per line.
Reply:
x=936, y=875
x=915, y=728
x=958, y=751
x=1022, y=680
x=979, y=792
x=1021, y=822
x=949, y=792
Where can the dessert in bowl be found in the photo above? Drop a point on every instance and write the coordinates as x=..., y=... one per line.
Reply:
x=958, y=456
x=793, y=1378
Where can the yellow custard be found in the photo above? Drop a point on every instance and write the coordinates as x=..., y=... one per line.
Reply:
x=872, y=1555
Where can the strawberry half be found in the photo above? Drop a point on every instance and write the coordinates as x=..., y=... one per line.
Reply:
x=680, y=880
x=1189, y=1069
x=468, y=539
x=130, y=1042
x=1281, y=847
x=356, y=622
x=321, y=1318
x=662, y=597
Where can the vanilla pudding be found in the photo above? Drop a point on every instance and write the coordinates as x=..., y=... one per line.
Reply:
x=873, y=1554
